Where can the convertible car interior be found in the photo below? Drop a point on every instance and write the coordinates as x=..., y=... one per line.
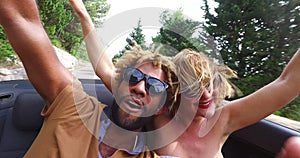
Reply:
x=20, y=122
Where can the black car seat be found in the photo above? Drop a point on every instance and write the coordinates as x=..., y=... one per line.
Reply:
x=20, y=118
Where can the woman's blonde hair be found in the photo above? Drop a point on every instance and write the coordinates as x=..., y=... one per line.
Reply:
x=196, y=72
x=136, y=56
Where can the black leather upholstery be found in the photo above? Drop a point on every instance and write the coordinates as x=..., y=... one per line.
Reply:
x=20, y=115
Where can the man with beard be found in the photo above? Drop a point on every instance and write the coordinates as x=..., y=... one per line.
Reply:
x=135, y=107
x=128, y=120
x=72, y=118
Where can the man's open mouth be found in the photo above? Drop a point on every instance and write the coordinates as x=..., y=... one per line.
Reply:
x=132, y=107
x=132, y=104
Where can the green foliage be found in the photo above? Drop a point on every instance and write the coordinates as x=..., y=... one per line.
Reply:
x=116, y=57
x=250, y=84
x=6, y=52
x=61, y=25
x=55, y=18
x=98, y=9
x=177, y=33
x=137, y=36
x=292, y=111
x=256, y=38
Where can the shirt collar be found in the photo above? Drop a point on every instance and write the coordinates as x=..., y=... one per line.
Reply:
x=139, y=144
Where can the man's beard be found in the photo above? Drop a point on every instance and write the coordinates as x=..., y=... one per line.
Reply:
x=127, y=121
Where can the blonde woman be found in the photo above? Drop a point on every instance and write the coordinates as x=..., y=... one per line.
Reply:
x=213, y=121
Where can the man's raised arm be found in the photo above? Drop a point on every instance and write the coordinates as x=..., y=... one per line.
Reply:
x=22, y=25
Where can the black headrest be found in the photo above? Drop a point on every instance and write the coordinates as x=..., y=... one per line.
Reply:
x=28, y=106
x=101, y=93
x=27, y=111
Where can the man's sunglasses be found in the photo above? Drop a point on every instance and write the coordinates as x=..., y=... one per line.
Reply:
x=153, y=85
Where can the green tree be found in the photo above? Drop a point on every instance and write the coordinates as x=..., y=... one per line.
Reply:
x=61, y=25
x=55, y=17
x=255, y=38
x=7, y=54
x=177, y=33
x=137, y=36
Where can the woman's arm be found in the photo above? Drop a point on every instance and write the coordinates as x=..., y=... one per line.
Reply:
x=267, y=100
x=100, y=60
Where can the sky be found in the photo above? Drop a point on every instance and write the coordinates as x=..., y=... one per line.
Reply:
x=191, y=9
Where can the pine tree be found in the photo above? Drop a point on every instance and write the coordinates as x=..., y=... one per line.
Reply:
x=137, y=36
x=257, y=38
x=177, y=33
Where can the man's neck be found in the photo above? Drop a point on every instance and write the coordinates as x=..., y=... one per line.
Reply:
x=117, y=138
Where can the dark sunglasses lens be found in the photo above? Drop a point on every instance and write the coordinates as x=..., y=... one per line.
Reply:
x=155, y=86
x=132, y=75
